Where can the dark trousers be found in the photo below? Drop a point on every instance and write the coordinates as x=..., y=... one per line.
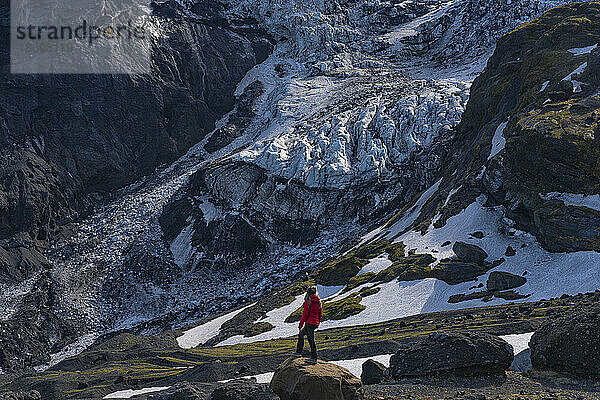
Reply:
x=309, y=332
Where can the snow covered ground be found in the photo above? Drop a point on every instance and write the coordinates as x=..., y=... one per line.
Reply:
x=498, y=141
x=202, y=333
x=578, y=51
x=129, y=393
x=519, y=342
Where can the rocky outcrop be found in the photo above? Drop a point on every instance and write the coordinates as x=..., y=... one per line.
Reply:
x=469, y=253
x=242, y=389
x=32, y=395
x=373, y=372
x=500, y=280
x=295, y=379
x=454, y=354
x=570, y=345
x=545, y=166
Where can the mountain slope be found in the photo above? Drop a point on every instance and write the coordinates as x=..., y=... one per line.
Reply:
x=518, y=191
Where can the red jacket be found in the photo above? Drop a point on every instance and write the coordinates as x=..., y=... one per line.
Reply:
x=312, y=314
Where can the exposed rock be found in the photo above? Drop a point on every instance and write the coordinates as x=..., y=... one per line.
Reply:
x=295, y=379
x=373, y=372
x=510, y=251
x=469, y=253
x=182, y=391
x=570, y=344
x=454, y=272
x=522, y=361
x=500, y=280
x=32, y=395
x=452, y=353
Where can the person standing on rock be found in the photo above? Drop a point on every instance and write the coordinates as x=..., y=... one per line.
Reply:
x=311, y=318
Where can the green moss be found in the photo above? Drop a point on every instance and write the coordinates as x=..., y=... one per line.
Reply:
x=358, y=280
x=366, y=292
x=511, y=295
x=339, y=272
x=344, y=308
x=300, y=288
x=258, y=328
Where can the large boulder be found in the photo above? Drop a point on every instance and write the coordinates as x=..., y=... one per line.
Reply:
x=452, y=353
x=499, y=280
x=295, y=379
x=373, y=372
x=570, y=344
x=469, y=253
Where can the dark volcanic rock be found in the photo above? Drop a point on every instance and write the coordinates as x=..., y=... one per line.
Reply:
x=454, y=272
x=64, y=137
x=243, y=389
x=182, y=391
x=499, y=280
x=295, y=379
x=452, y=353
x=373, y=372
x=570, y=344
x=32, y=395
x=469, y=253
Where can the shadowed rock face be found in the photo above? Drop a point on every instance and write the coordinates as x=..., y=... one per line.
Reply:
x=65, y=137
x=570, y=344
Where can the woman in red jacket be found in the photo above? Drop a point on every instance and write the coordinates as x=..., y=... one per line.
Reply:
x=311, y=318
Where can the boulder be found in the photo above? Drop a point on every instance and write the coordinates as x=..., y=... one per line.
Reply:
x=373, y=372
x=499, y=280
x=181, y=391
x=454, y=354
x=469, y=253
x=570, y=344
x=295, y=379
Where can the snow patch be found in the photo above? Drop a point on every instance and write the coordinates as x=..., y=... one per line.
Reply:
x=376, y=265
x=181, y=247
x=355, y=365
x=544, y=86
x=326, y=292
x=519, y=342
x=498, y=141
x=576, y=84
x=276, y=318
x=578, y=51
x=129, y=393
x=591, y=201
x=203, y=333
